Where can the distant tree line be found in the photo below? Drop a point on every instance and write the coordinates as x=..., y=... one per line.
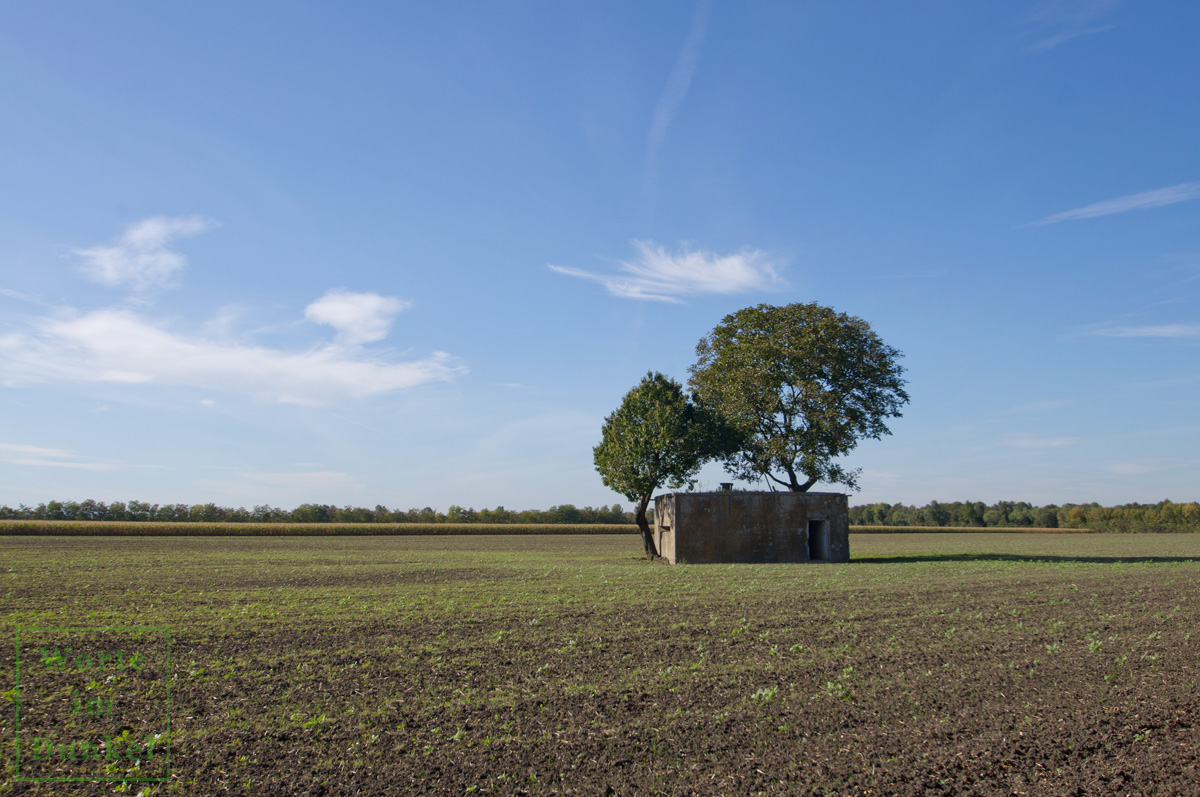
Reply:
x=307, y=513
x=1163, y=516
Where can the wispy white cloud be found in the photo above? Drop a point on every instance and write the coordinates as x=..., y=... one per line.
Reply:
x=1139, y=467
x=662, y=276
x=142, y=256
x=681, y=77
x=119, y=346
x=39, y=457
x=1039, y=406
x=9, y=292
x=247, y=486
x=1054, y=22
x=357, y=317
x=929, y=273
x=1050, y=42
x=303, y=480
x=1150, y=331
x=673, y=93
x=1146, y=200
x=879, y=477
x=1038, y=441
x=124, y=347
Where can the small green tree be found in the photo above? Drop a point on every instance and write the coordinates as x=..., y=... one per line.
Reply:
x=804, y=384
x=658, y=436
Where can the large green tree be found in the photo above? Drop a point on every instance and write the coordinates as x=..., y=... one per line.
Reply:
x=658, y=435
x=803, y=383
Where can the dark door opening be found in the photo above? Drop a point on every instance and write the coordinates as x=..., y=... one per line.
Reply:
x=818, y=540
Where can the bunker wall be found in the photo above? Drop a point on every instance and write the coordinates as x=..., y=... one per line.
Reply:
x=720, y=527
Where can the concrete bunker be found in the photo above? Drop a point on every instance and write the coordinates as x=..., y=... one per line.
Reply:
x=707, y=528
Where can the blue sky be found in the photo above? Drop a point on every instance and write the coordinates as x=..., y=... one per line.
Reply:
x=413, y=254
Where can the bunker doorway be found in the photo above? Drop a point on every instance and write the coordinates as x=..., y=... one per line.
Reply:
x=818, y=540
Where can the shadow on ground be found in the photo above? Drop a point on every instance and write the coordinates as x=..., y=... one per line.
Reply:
x=1014, y=557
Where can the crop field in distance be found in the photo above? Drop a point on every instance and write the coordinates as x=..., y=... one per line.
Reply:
x=930, y=664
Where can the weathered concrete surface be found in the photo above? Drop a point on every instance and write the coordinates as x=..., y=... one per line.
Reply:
x=701, y=528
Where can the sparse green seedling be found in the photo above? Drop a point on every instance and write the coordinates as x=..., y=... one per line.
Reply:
x=410, y=656
x=765, y=694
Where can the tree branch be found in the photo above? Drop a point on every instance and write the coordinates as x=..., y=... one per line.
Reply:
x=778, y=480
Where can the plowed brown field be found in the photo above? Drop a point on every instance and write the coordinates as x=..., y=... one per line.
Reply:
x=930, y=664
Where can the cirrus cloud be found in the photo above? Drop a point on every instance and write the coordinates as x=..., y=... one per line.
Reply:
x=1159, y=197
x=40, y=457
x=1038, y=441
x=1176, y=331
x=662, y=276
x=1053, y=22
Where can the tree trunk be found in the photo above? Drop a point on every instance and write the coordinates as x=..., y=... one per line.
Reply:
x=644, y=527
x=803, y=488
x=793, y=484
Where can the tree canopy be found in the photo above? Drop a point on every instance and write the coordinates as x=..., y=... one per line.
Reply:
x=658, y=435
x=803, y=384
